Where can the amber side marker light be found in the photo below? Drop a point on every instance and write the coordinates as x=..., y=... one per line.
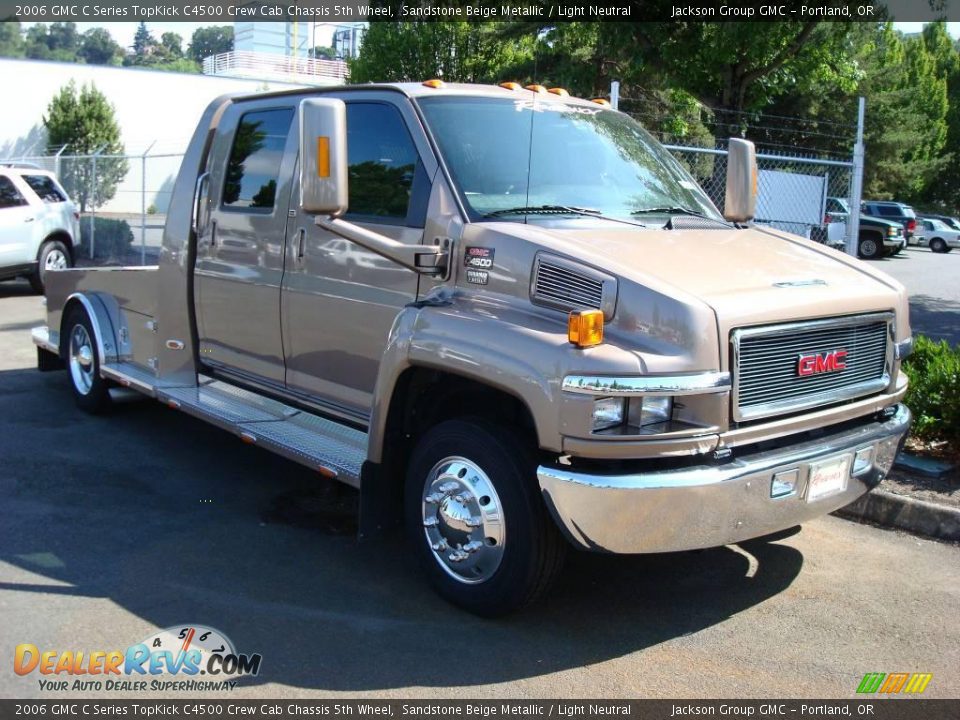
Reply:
x=559, y=91
x=435, y=84
x=511, y=86
x=537, y=88
x=585, y=328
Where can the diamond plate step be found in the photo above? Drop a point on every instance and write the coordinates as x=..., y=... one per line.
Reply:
x=325, y=445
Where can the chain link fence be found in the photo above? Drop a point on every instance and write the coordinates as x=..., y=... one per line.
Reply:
x=794, y=192
x=123, y=201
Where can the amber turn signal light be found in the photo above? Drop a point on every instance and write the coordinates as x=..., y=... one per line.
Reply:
x=585, y=328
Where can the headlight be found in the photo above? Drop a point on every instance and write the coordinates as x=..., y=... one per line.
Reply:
x=608, y=413
x=652, y=410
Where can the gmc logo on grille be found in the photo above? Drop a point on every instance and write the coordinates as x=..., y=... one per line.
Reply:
x=827, y=362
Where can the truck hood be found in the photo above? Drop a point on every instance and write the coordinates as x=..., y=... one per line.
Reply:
x=748, y=276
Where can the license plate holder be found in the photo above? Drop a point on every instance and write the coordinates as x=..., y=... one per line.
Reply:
x=828, y=477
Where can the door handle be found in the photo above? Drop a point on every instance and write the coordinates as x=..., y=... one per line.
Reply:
x=29, y=220
x=301, y=241
x=213, y=233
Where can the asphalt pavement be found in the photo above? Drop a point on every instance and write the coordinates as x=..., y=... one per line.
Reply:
x=114, y=527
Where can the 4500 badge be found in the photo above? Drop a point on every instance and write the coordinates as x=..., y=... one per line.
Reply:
x=189, y=650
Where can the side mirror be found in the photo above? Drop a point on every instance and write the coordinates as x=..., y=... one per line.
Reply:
x=323, y=157
x=740, y=202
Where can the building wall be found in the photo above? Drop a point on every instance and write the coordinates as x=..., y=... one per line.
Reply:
x=279, y=38
x=152, y=107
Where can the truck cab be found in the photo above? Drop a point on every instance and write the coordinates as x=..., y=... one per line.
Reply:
x=510, y=318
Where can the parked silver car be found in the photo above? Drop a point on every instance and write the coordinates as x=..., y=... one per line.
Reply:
x=39, y=225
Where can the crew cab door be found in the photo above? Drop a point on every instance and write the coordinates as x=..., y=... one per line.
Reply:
x=339, y=299
x=239, y=264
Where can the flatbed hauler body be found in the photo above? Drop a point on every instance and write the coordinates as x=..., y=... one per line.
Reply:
x=509, y=318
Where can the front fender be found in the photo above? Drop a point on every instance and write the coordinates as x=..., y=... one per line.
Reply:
x=522, y=352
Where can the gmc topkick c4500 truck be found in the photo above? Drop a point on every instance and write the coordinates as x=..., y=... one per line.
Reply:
x=510, y=318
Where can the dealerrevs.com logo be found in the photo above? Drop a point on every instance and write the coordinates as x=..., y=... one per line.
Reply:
x=190, y=658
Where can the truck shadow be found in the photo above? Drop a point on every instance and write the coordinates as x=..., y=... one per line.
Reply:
x=938, y=318
x=176, y=522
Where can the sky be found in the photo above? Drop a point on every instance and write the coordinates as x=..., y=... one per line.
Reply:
x=123, y=31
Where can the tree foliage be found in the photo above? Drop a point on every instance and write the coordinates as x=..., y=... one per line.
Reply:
x=207, y=41
x=84, y=121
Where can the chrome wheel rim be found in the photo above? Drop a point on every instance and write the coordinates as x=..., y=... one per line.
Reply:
x=869, y=248
x=463, y=520
x=81, y=359
x=55, y=260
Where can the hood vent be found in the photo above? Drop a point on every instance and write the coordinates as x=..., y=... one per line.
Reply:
x=565, y=285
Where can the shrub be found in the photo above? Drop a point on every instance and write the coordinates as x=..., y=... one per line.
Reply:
x=111, y=241
x=934, y=393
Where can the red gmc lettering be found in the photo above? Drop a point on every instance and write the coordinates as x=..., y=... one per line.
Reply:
x=816, y=364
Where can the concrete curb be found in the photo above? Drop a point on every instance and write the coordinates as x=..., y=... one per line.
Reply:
x=897, y=511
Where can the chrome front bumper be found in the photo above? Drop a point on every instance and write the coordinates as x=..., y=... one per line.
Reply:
x=711, y=505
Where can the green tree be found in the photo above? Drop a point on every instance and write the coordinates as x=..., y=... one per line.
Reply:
x=11, y=39
x=97, y=47
x=142, y=41
x=172, y=45
x=59, y=41
x=944, y=192
x=453, y=51
x=85, y=122
x=207, y=41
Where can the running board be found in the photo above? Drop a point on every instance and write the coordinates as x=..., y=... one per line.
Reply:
x=335, y=450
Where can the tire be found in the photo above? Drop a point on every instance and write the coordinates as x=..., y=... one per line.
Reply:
x=91, y=391
x=937, y=245
x=869, y=247
x=471, y=484
x=53, y=255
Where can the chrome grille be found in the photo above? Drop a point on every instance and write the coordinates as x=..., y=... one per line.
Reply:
x=766, y=364
x=564, y=285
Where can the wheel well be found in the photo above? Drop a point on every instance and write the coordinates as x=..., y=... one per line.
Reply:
x=63, y=237
x=874, y=233
x=423, y=397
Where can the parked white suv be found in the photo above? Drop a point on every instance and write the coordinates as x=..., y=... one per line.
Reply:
x=39, y=225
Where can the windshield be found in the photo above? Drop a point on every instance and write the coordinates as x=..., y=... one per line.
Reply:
x=527, y=155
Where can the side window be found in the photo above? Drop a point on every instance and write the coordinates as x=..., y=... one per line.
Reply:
x=888, y=211
x=254, y=165
x=45, y=188
x=383, y=161
x=9, y=195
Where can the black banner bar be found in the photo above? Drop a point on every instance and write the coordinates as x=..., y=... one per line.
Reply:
x=549, y=11
x=218, y=707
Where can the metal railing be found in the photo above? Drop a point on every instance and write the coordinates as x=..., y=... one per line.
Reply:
x=268, y=66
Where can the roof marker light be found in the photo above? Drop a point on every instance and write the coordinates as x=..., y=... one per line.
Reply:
x=601, y=101
x=511, y=86
x=559, y=91
x=537, y=88
x=435, y=84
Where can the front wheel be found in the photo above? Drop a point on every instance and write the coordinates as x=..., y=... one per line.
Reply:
x=89, y=389
x=937, y=245
x=476, y=521
x=53, y=255
x=870, y=248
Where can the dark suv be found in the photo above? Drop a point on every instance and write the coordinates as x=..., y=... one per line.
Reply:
x=889, y=210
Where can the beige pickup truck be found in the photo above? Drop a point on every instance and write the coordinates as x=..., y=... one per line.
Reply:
x=510, y=318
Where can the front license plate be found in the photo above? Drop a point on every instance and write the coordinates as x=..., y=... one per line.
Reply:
x=827, y=478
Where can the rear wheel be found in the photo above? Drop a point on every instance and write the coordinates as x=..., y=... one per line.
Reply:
x=53, y=255
x=870, y=247
x=937, y=245
x=89, y=389
x=476, y=521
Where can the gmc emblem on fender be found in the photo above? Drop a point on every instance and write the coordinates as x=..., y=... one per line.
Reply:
x=822, y=363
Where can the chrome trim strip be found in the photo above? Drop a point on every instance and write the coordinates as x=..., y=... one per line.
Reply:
x=904, y=349
x=849, y=392
x=699, y=383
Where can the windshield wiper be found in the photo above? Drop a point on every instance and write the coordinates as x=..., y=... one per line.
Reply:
x=559, y=210
x=676, y=210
